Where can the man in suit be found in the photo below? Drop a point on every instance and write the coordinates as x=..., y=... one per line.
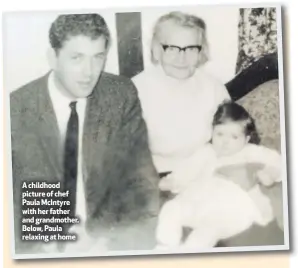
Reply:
x=82, y=127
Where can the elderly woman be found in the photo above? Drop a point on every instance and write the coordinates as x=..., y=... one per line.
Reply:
x=178, y=97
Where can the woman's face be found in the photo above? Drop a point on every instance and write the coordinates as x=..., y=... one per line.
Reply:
x=228, y=138
x=183, y=64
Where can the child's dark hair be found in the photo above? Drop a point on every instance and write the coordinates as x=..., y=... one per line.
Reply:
x=233, y=112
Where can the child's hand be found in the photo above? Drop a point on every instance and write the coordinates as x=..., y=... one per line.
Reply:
x=268, y=176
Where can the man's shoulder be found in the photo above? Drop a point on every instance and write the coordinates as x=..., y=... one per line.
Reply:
x=114, y=80
x=116, y=88
x=29, y=90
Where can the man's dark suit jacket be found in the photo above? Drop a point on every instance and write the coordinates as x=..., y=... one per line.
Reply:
x=119, y=177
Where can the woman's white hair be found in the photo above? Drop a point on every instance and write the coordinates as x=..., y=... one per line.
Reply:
x=183, y=20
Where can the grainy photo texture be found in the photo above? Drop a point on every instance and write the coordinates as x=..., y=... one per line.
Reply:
x=148, y=132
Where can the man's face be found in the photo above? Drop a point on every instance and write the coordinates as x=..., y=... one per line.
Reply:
x=179, y=65
x=78, y=65
x=228, y=138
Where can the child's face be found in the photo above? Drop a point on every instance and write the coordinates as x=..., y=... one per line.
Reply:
x=228, y=138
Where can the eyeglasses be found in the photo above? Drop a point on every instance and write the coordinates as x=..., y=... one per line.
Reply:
x=175, y=50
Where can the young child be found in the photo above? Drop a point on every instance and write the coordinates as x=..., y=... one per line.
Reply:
x=217, y=188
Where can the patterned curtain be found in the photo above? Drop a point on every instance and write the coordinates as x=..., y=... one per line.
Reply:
x=257, y=35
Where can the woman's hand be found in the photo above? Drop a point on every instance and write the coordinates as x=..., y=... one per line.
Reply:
x=166, y=183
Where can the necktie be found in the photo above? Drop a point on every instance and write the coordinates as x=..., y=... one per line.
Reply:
x=71, y=157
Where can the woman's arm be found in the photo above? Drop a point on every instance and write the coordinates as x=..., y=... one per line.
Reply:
x=271, y=160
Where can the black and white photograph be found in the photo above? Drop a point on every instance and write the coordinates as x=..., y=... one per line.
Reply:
x=146, y=131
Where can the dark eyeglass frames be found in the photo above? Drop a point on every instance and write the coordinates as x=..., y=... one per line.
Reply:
x=176, y=49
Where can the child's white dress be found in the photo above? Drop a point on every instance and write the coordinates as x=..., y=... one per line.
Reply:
x=214, y=206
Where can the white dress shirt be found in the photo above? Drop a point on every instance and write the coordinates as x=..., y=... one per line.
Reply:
x=178, y=113
x=62, y=110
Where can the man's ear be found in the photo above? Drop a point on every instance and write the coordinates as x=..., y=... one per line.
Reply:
x=52, y=58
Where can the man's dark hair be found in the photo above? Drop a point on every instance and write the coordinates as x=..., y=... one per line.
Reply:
x=66, y=26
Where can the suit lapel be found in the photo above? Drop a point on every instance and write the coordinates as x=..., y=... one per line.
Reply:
x=92, y=124
x=95, y=145
x=48, y=130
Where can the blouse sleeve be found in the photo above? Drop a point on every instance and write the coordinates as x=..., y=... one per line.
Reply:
x=267, y=156
x=261, y=154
